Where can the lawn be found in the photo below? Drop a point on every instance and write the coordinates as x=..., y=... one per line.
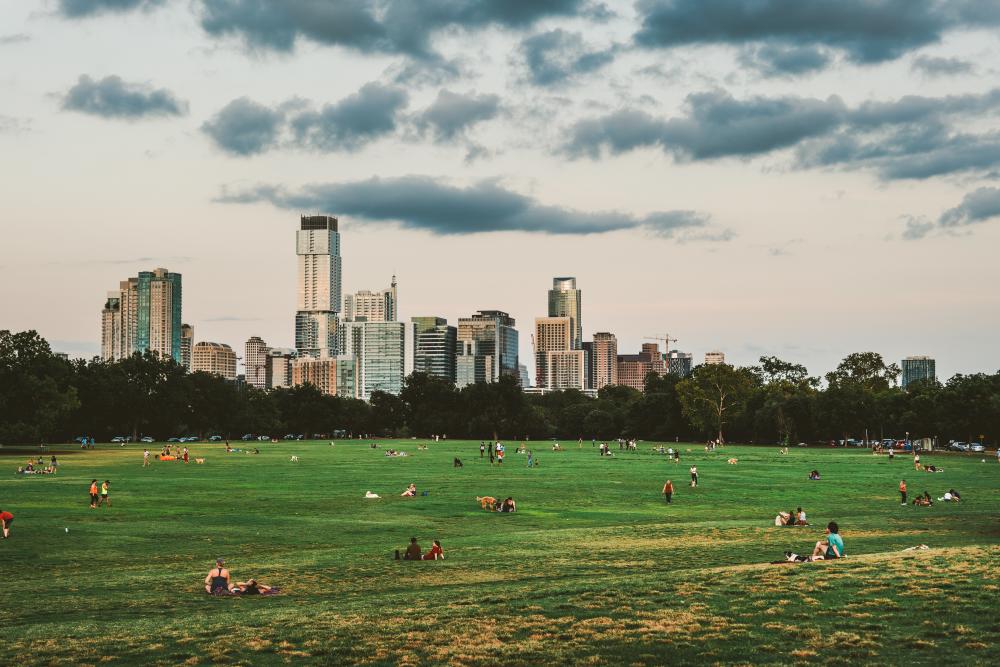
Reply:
x=593, y=568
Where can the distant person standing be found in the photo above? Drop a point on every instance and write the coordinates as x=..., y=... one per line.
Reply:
x=93, y=494
x=145, y=458
x=531, y=460
x=54, y=464
x=6, y=518
x=482, y=449
x=892, y=453
x=902, y=491
x=694, y=475
x=501, y=450
x=668, y=491
x=105, y=498
x=491, y=452
x=916, y=460
x=185, y=455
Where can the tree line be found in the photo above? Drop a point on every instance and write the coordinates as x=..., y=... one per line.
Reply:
x=47, y=398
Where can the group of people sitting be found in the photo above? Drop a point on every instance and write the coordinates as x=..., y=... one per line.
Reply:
x=218, y=583
x=950, y=496
x=413, y=551
x=38, y=467
x=796, y=518
x=604, y=450
x=393, y=452
x=923, y=500
x=507, y=505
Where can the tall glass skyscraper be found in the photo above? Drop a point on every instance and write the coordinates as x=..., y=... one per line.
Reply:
x=434, y=347
x=918, y=368
x=380, y=350
x=143, y=315
x=319, y=295
x=564, y=301
x=488, y=340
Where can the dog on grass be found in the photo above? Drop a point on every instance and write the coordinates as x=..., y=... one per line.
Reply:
x=732, y=462
x=487, y=502
x=199, y=460
x=295, y=459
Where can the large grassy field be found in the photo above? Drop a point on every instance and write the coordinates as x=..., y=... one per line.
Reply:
x=593, y=568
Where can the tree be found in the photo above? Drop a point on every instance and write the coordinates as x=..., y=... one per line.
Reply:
x=431, y=404
x=864, y=369
x=714, y=394
x=36, y=388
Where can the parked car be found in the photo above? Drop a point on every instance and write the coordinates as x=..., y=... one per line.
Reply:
x=292, y=436
x=976, y=447
x=173, y=439
x=147, y=439
x=958, y=446
x=122, y=438
x=248, y=436
x=264, y=438
x=214, y=438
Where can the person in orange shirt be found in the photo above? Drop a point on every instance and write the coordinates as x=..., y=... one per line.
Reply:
x=668, y=491
x=902, y=491
x=93, y=494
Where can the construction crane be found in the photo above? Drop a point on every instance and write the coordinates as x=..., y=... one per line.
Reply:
x=665, y=338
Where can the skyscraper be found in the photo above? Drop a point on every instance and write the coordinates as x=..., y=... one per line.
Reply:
x=558, y=365
x=143, y=315
x=715, y=357
x=215, y=358
x=918, y=368
x=604, y=359
x=319, y=294
x=488, y=341
x=633, y=368
x=334, y=376
x=278, y=371
x=564, y=301
x=679, y=363
x=187, y=345
x=380, y=350
x=255, y=362
x=368, y=306
x=434, y=347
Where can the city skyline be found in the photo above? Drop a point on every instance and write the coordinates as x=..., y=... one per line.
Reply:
x=806, y=192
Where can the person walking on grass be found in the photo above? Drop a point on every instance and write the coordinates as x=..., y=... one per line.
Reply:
x=902, y=491
x=105, y=499
x=668, y=491
x=482, y=449
x=145, y=458
x=93, y=494
x=491, y=452
x=6, y=518
x=694, y=475
x=531, y=460
x=916, y=460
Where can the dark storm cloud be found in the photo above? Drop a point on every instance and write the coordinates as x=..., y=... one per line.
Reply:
x=977, y=207
x=370, y=113
x=452, y=114
x=388, y=26
x=909, y=138
x=930, y=66
x=113, y=98
x=419, y=202
x=785, y=60
x=84, y=8
x=866, y=31
x=716, y=125
x=556, y=56
x=244, y=127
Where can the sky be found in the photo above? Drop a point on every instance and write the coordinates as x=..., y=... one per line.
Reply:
x=802, y=179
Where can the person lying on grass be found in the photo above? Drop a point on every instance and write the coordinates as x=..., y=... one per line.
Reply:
x=252, y=587
x=832, y=547
x=410, y=491
x=933, y=469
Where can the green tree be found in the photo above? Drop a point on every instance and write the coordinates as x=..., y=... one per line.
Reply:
x=36, y=388
x=714, y=394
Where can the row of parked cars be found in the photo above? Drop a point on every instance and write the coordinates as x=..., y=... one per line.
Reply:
x=266, y=438
x=966, y=446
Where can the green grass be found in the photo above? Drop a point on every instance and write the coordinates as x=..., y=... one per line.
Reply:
x=593, y=568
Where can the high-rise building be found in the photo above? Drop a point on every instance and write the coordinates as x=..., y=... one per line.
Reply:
x=434, y=347
x=588, y=361
x=918, y=368
x=564, y=301
x=489, y=342
x=558, y=365
x=380, y=350
x=679, y=363
x=715, y=357
x=187, y=345
x=278, y=368
x=255, y=362
x=368, y=306
x=522, y=371
x=215, y=358
x=143, y=315
x=604, y=360
x=334, y=376
x=633, y=368
x=319, y=294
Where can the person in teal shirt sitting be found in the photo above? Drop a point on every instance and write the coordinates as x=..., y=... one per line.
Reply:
x=832, y=547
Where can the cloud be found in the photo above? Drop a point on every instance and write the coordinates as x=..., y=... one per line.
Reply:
x=113, y=98
x=245, y=127
x=716, y=125
x=978, y=206
x=85, y=8
x=930, y=66
x=451, y=114
x=775, y=60
x=424, y=203
x=12, y=125
x=370, y=26
x=16, y=38
x=370, y=113
x=556, y=56
x=912, y=137
x=916, y=228
x=865, y=31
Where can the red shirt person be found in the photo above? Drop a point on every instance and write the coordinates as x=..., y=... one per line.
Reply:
x=6, y=518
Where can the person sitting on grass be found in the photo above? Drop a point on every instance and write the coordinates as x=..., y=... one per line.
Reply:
x=814, y=475
x=800, y=517
x=508, y=505
x=832, y=547
x=933, y=468
x=217, y=581
x=412, y=551
x=410, y=491
x=436, y=553
x=783, y=519
x=954, y=495
x=923, y=501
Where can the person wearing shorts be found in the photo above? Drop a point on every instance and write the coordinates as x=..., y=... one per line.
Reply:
x=93, y=494
x=694, y=476
x=6, y=518
x=145, y=458
x=105, y=500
